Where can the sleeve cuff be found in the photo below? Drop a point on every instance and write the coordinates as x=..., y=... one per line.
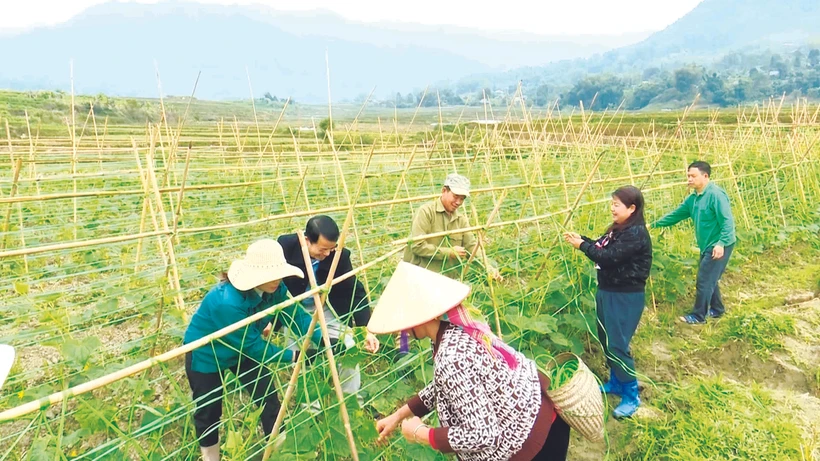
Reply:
x=417, y=406
x=439, y=439
x=584, y=245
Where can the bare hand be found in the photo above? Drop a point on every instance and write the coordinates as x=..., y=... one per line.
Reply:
x=266, y=331
x=717, y=252
x=386, y=426
x=494, y=274
x=410, y=425
x=573, y=239
x=459, y=252
x=371, y=343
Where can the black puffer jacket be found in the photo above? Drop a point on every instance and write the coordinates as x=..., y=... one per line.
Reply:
x=623, y=258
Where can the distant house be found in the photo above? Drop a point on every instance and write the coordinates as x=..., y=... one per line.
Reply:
x=499, y=93
x=484, y=122
x=774, y=73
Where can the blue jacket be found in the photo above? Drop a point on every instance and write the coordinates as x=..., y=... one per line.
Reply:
x=225, y=305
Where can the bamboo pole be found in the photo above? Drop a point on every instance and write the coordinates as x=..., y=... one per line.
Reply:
x=571, y=212
x=18, y=165
x=481, y=246
x=178, y=212
x=171, y=270
x=73, y=150
x=148, y=204
x=318, y=315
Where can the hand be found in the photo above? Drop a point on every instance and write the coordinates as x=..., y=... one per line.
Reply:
x=266, y=331
x=410, y=425
x=493, y=274
x=386, y=426
x=573, y=239
x=371, y=343
x=459, y=252
x=717, y=252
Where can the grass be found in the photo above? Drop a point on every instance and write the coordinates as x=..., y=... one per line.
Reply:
x=710, y=419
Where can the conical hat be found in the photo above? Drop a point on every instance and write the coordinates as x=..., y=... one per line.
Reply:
x=413, y=296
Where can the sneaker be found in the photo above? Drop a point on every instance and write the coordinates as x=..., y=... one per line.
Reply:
x=690, y=319
x=713, y=314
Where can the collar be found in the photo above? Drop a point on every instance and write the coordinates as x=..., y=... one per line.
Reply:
x=259, y=292
x=442, y=327
x=440, y=209
x=705, y=188
x=248, y=298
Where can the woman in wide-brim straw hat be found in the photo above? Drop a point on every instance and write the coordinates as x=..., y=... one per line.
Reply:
x=491, y=400
x=251, y=285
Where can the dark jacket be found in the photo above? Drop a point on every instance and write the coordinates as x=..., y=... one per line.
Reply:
x=346, y=298
x=623, y=258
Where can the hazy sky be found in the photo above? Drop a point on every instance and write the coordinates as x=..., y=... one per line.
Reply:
x=538, y=16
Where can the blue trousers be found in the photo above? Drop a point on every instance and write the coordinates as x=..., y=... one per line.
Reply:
x=618, y=318
x=708, y=292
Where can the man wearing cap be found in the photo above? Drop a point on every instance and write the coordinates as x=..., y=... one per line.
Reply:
x=347, y=303
x=251, y=285
x=444, y=254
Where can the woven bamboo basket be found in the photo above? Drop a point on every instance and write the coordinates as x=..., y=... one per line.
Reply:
x=579, y=401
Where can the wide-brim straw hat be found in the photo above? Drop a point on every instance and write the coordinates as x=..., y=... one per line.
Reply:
x=414, y=296
x=264, y=262
x=6, y=362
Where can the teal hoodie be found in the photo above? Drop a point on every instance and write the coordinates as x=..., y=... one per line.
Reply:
x=225, y=305
x=712, y=215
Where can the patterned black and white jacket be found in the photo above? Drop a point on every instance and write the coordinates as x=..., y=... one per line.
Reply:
x=487, y=411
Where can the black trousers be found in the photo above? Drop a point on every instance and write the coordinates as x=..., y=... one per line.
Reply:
x=207, y=394
x=557, y=444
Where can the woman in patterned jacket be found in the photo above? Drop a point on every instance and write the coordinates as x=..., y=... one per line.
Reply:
x=490, y=399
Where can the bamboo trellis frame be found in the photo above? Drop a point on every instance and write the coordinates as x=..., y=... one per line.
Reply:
x=528, y=156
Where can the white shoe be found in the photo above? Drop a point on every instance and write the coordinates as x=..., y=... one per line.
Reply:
x=210, y=453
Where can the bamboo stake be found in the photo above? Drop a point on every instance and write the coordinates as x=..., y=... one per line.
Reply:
x=11, y=149
x=141, y=231
x=32, y=167
x=178, y=212
x=18, y=165
x=171, y=268
x=73, y=150
x=571, y=212
x=319, y=315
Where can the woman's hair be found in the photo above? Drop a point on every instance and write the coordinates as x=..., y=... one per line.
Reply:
x=630, y=195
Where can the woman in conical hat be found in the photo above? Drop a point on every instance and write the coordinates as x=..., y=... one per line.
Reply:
x=251, y=285
x=491, y=400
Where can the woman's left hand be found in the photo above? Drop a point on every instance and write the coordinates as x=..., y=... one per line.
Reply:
x=412, y=424
x=371, y=343
x=573, y=239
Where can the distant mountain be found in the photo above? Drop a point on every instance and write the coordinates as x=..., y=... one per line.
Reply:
x=114, y=47
x=717, y=26
x=710, y=31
